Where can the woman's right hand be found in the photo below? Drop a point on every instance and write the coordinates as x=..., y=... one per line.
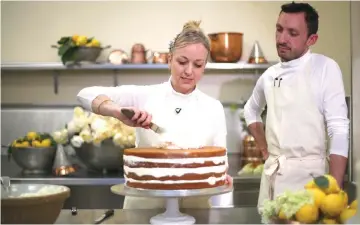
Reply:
x=140, y=118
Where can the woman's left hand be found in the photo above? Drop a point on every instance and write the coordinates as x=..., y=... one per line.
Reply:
x=229, y=180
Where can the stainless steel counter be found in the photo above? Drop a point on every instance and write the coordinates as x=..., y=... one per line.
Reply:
x=245, y=215
x=97, y=185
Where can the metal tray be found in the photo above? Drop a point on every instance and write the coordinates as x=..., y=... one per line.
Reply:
x=122, y=189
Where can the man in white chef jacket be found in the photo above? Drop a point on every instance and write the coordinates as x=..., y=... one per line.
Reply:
x=304, y=95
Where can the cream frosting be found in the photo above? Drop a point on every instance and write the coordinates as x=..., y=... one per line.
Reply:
x=164, y=172
x=211, y=180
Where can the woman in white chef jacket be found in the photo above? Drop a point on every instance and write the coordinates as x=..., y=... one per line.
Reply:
x=190, y=116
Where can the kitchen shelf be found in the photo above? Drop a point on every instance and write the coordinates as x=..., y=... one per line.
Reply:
x=242, y=65
x=57, y=67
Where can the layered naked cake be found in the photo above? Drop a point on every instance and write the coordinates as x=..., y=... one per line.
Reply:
x=175, y=169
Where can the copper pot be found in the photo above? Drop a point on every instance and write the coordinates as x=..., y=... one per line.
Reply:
x=140, y=55
x=250, y=153
x=160, y=57
x=226, y=47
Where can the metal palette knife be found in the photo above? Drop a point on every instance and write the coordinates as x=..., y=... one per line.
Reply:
x=130, y=113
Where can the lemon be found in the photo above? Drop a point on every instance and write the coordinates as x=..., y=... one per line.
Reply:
x=31, y=135
x=308, y=213
x=95, y=43
x=18, y=145
x=333, y=185
x=332, y=204
x=329, y=221
x=81, y=41
x=282, y=215
x=354, y=204
x=36, y=143
x=46, y=143
x=310, y=184
x=346, y=214
x=345, y=197
x=318, y=195
x=75, y=38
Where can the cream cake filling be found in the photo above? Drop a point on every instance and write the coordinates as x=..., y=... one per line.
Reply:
x=164, y=172
x=210, y=180
x=133, y=160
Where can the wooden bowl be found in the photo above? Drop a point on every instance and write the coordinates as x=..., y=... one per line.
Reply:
x=41, y=207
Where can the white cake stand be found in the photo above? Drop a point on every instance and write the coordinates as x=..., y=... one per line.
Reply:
x=172, y=214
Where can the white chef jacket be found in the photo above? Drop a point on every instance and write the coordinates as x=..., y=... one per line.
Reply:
x=328, y=89
x=200, y=122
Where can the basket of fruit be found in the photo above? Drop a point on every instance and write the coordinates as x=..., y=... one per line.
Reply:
x=321, y=202
x=34, y=153
x=75, y=49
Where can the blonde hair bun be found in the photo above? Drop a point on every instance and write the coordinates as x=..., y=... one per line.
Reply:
x=192, y=25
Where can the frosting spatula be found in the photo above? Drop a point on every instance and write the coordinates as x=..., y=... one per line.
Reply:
x=130, y=113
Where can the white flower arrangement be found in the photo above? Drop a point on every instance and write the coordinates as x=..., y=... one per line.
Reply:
x=88, y=127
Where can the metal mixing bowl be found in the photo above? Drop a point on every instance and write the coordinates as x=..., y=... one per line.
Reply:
x=34, y=160
x=103, y=158
x=43, y=207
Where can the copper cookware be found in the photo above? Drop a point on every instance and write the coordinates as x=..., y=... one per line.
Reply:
x=226, y=47
x=160, y=57
x=139, y=54
x=250, y=153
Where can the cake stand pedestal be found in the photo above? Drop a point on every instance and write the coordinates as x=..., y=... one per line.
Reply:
x=172, y=214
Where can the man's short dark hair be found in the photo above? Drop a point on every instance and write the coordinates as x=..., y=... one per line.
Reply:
x=311, y=15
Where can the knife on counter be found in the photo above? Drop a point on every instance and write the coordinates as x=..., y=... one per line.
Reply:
x=109, y=213
x=130, y=113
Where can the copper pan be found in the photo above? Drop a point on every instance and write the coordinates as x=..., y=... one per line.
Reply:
x=226, y=47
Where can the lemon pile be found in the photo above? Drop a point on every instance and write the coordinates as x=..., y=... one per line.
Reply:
x=81, y=40
x=34, y=139
x=330, y=204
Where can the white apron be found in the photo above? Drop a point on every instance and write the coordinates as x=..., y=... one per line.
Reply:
x=185, y=126
x=295, y=133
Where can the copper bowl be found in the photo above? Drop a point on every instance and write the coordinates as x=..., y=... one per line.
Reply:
x=226, y=47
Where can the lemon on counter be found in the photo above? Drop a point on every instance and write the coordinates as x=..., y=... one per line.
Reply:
x=309, y=214
x=318, y=195
x=333, y=204
x=310, y=184
x=333, y=185
x=282, y=215
x=346, y=215
x=329, y=221
x=354, y=205
x=327, y=183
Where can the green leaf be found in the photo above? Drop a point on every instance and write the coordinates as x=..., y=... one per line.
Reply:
x=63, y=40
x=63, y=49
x=89, y=40
x=321, y=182
x=68, y=54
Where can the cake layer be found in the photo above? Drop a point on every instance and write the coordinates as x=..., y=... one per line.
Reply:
x=189, y=176
x=162, y=172
x=176, y=185
x=154, y=153
x=135, y=161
